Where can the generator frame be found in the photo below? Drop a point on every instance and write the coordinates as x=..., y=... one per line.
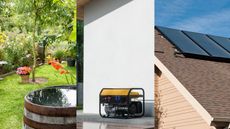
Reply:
x=126, y=104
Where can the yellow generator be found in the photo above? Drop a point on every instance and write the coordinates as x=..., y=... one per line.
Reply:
x=122, y=102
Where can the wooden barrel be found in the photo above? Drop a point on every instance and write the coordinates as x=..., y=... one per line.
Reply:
x=48, y=117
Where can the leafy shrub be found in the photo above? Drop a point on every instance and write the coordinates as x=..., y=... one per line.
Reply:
x=7, y=68
x=72, y=50
x=59, y=54
x=1, y=54
x=59, y=45
x=2, y=41
x=2, y=38
x=16, y=50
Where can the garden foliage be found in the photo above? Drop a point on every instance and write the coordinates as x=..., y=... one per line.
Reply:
x=29, y=27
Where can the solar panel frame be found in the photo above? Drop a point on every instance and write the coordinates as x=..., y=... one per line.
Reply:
x=189, y=54
x=222, y=41
x=181, y=41
x=214, y=49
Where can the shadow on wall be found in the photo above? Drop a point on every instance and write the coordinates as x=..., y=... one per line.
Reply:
x=106, y=7
x=149, y=109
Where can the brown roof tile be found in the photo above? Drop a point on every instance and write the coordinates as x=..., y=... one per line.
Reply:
x=207, y=81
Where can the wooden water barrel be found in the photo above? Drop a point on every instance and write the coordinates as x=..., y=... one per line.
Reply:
x=48, y=117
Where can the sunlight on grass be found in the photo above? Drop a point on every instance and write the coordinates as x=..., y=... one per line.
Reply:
x=12, y=94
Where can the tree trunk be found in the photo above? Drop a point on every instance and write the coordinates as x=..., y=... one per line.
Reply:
x=34, y=46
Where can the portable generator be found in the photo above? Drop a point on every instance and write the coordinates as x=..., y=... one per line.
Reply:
x=122, y=102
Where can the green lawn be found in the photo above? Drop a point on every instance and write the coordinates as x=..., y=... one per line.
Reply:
x=12, y=94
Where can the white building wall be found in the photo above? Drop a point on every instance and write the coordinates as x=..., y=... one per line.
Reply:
x=118, y=49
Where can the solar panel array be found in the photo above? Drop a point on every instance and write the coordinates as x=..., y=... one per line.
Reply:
x=198, y=45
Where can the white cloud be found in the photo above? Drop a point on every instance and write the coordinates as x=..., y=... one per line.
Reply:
x=207, y=23
x=168, y=10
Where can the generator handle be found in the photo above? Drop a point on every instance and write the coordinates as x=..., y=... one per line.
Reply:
x=142, y=96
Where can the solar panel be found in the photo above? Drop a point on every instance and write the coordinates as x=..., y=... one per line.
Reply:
x=181, y=41
x=208, y=45
x=224, y=42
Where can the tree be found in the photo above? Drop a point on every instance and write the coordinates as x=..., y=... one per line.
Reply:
x=45, y=14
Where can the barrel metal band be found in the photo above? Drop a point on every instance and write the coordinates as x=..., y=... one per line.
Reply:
x=49, y=119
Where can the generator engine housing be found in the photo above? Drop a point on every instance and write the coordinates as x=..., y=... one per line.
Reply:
x=121, y=102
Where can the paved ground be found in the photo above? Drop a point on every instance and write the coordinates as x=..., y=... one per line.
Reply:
x=92, y=121
x=94, y=125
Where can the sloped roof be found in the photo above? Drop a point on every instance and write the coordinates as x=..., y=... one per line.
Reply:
x=208, y=81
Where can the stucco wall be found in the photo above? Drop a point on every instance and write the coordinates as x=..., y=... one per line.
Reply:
x=118, y=48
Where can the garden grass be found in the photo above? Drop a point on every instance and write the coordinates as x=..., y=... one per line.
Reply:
x=12, y=94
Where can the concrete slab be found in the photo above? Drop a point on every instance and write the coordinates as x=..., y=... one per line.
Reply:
x=95, y=125
x=143, y=122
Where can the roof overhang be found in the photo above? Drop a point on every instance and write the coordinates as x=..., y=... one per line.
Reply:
x=219, y=122
x=194, y=103
x=80, y=8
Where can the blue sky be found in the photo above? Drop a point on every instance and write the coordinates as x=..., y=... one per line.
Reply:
x=205, y=16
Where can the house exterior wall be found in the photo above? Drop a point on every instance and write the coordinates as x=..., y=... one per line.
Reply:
x=118, y=49
x=177, y=113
